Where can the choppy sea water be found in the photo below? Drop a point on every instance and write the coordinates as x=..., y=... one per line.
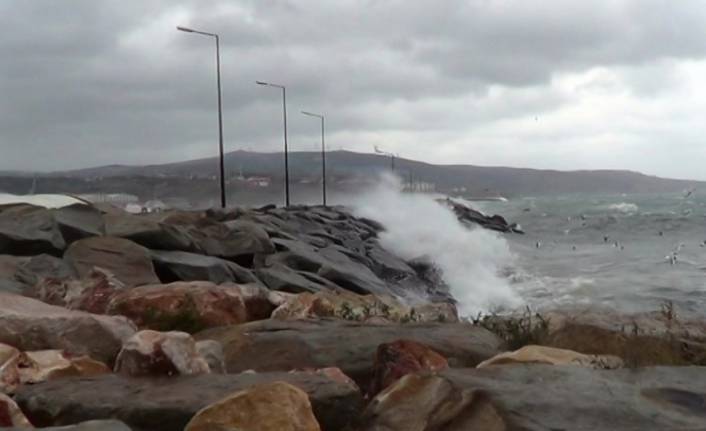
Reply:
x=627, y=252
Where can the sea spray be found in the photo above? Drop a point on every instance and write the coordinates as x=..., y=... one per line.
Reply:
x=469, y=259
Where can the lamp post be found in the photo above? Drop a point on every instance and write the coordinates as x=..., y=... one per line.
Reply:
x=286, y=151
x=220, y=110
x=323, y=153
x=385, y=153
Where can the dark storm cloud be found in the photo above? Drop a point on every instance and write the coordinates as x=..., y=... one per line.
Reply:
x=98, y=82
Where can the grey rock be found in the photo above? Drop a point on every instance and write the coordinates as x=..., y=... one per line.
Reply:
x=148, y=232
x=29, y=324
x=79, y=221
x=26, y=230
x=546, y=398
x=168, y=404
x=129, y=262
x=212, y=352
x=272, y=345
x=283, y=278
x=182, y=266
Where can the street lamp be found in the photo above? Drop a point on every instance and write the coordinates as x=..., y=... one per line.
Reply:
x=323, y=152
x=385, y=153
x=220, y=110
x=286, y=151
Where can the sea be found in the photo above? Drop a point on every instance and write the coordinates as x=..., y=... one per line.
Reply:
x=627, y=252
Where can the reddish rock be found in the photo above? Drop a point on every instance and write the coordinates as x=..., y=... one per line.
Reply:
x=10, y=359
x=92, y=293
x=29, y=325
x=152, y=353
x=11, y=415
x=397, y=359
x=130, y=262
x=190, y=306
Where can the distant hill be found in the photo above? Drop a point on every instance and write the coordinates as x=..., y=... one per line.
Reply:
x=477, y=180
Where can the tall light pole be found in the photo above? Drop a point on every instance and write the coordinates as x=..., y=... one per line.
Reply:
x=323, y=153
x=220, y=109
x=286, y=150
x=385, y=153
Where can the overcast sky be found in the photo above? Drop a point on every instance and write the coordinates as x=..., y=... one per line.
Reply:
x=558, y=84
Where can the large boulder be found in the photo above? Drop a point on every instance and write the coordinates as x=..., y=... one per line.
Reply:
x=152, y=353
x=169, y=404
x=543, y=398
x=272, y=345
x=79, y=221
x=276, y=406
x=182, y=266
x=129, y=262
x=277, y=276
x=329, y=263
x=9, y=267
x=237, y=241
x=41, y=267
x=11, y=415
x=397, y=359
x=28, y=324
x=27, y=230
x=11, y=360
x=148, y=232
x=191, y=306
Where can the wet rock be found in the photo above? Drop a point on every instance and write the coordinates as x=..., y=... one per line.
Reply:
x=129, y=262
x=280, y=277
x=190, y=306
x=91, y=293
x=79, y=221
x=546, y=397
x=212, y=352
x=148, y=232
x=29, y=325
x=152, y=353
x=27, y=230
x=236, y=241
x=552, y=356
x=428, y=402
x=44, y=266
x=10, y=361
x=271, y=345
x=9, y=267
x=399, y=358
x=43, y=365
x=168, y=404
x=276, y=406
x=181, y=266
x=11, y=415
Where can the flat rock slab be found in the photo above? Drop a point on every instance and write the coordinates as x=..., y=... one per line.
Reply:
x=272, y=345
x=168, y=404
x=546, y=397
x=29, y=324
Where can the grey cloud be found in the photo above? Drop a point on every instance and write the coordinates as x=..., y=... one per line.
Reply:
x=114, y=82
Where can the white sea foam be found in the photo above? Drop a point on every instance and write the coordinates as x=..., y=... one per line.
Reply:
x=470, y=260
x=624, y=207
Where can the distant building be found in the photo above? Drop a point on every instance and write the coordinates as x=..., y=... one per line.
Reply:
x=258, y=181
x=155, y=205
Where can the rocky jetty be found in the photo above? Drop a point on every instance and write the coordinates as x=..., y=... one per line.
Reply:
x=299, y=319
